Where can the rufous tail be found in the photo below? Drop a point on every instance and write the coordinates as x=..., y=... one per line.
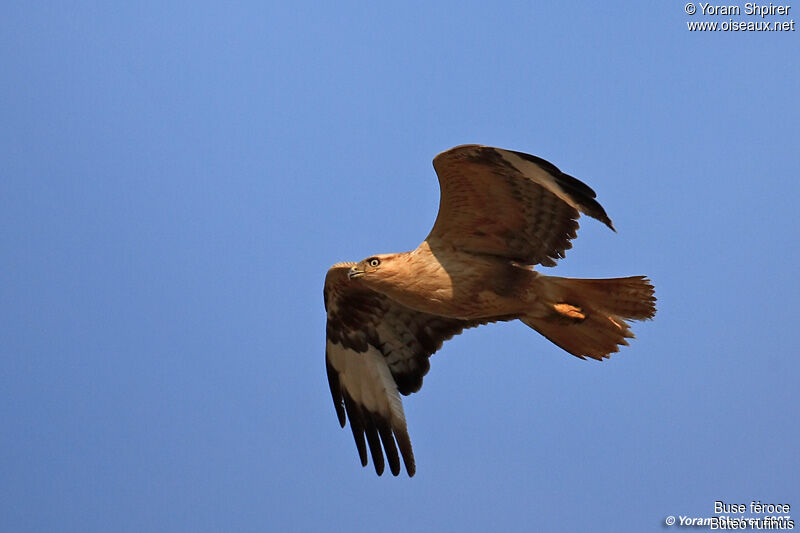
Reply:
x=586, y=317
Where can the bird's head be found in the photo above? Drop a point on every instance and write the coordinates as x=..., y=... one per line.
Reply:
x=374, y=268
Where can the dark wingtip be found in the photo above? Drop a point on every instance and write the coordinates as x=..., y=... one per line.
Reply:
x=592, y=208
x=404, y=443
x=584, y=197
x=374, y=443
x=336, y=391
x=356, y=426
x=581, y=194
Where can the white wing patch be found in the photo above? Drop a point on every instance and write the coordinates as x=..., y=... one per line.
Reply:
x=539, y=175
x=367, y=378
x=373, y=405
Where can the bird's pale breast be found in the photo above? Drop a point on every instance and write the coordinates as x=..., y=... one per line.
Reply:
x=458, y=284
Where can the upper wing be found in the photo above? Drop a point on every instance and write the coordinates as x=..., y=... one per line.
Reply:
x=509, y=204
x=377, y=349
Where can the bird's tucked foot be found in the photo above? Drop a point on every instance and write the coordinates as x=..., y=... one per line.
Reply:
x=569, y=311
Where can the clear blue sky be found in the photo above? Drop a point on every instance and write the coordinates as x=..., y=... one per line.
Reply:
x=176, y=178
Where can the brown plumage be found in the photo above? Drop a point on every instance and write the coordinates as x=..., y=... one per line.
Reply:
x=500, y=213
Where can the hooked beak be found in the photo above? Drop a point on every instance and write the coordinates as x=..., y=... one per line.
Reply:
x=354, y=272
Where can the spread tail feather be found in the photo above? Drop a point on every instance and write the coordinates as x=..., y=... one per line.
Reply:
x=586, y=317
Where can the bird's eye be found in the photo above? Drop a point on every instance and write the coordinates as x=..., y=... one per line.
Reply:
x=374, y=262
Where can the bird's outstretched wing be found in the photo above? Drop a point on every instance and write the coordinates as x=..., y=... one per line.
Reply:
x=509, y=204
x=377, y=349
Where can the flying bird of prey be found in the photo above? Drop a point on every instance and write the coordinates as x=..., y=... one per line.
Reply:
x=500, y=213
